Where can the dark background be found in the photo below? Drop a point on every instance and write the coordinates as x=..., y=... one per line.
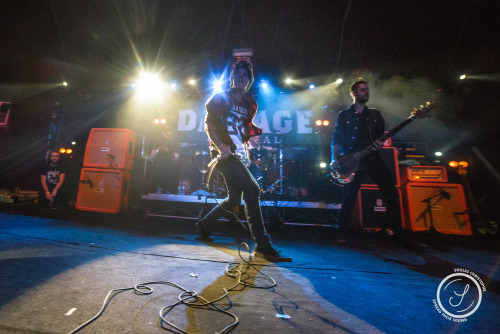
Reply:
x=409, y=51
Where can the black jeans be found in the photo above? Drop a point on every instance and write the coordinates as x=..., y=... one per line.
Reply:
x=373, y=166
x=240, y=185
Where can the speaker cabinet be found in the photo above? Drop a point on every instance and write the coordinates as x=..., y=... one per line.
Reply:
x=372, y=210
x=103, y=190
x=390, y=157
x=443, y=202
x=110, y=148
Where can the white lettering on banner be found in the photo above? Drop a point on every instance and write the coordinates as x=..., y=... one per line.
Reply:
x=261, y=121
x=303, y=121
x=187, y=120
x=282, y=121
x=201, y=126
x=267, y=140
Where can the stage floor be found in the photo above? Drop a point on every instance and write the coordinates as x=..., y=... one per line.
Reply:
x=56, y=271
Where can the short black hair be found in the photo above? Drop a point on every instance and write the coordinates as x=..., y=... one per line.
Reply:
x=245, y=65
x=356, y=84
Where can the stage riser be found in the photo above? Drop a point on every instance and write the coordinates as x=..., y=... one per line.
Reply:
x=194, y=207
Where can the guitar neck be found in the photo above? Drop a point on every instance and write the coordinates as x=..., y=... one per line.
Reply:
x=396, y=129
x=388, y=135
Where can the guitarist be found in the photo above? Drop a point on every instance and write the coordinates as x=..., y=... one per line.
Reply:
x=355, y=129
x=229, y=126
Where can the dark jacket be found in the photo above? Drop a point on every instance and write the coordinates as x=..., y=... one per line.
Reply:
x=347, y=132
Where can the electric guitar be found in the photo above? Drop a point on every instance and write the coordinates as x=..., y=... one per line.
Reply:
x=349, y=163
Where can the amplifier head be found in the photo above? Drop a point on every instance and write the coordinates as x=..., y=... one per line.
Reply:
x=426, y=174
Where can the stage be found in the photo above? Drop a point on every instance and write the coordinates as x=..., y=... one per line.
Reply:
x=56, y=271
x=290, y=212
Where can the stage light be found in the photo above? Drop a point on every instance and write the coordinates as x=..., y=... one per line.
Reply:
x=65, y=84
x=73, y=143
x=149, y=86
x=192, y=82
x=264, y=85
x=217, y=85
x=438, y=154
x=69, y=151
x=156, y=121
x=453, y=164
x=464, y=164
x=319, y=122
x=339, y=81
x=323, y=165
x=62, y=150
x=173, y=85
x=326, y=122
x=312, y=86
x=163, y=121
x=463, y=76
x=288, y=81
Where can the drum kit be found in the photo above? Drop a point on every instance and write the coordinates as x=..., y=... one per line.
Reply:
x=279, y=171
x=282, y=171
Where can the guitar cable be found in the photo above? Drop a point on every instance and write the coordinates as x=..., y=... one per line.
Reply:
x=235, y=270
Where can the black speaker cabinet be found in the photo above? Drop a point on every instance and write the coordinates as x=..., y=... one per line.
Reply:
x=390, y=158
x=372, y=210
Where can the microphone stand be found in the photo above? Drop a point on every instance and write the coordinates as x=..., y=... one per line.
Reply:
x=441, y=195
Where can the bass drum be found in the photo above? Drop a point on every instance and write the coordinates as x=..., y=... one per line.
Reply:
x=298, y=176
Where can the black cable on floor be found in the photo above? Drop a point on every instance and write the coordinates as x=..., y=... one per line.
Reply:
x=234, y=270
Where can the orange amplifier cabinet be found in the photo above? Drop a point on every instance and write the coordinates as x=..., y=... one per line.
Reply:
x=110, y=148
x=103, y=190
x=443, y=202
x=425, y=174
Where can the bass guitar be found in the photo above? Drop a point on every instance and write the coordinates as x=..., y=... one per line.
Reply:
x=349, y=163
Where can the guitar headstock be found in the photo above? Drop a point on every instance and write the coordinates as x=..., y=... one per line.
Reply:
x=423, y=110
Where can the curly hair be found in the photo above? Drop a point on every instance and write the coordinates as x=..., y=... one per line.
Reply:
x=245, y=65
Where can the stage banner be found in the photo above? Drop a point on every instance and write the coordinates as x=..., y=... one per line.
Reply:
x=282, y=119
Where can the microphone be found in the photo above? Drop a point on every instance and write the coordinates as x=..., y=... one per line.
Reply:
x=445, y=194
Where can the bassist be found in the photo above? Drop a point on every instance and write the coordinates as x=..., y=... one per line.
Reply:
x=356, y=128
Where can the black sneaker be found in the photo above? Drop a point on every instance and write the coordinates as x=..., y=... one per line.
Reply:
x=270, y=254
x=202, y=228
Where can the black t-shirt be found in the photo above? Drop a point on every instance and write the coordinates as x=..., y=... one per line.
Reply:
x=52, y=173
